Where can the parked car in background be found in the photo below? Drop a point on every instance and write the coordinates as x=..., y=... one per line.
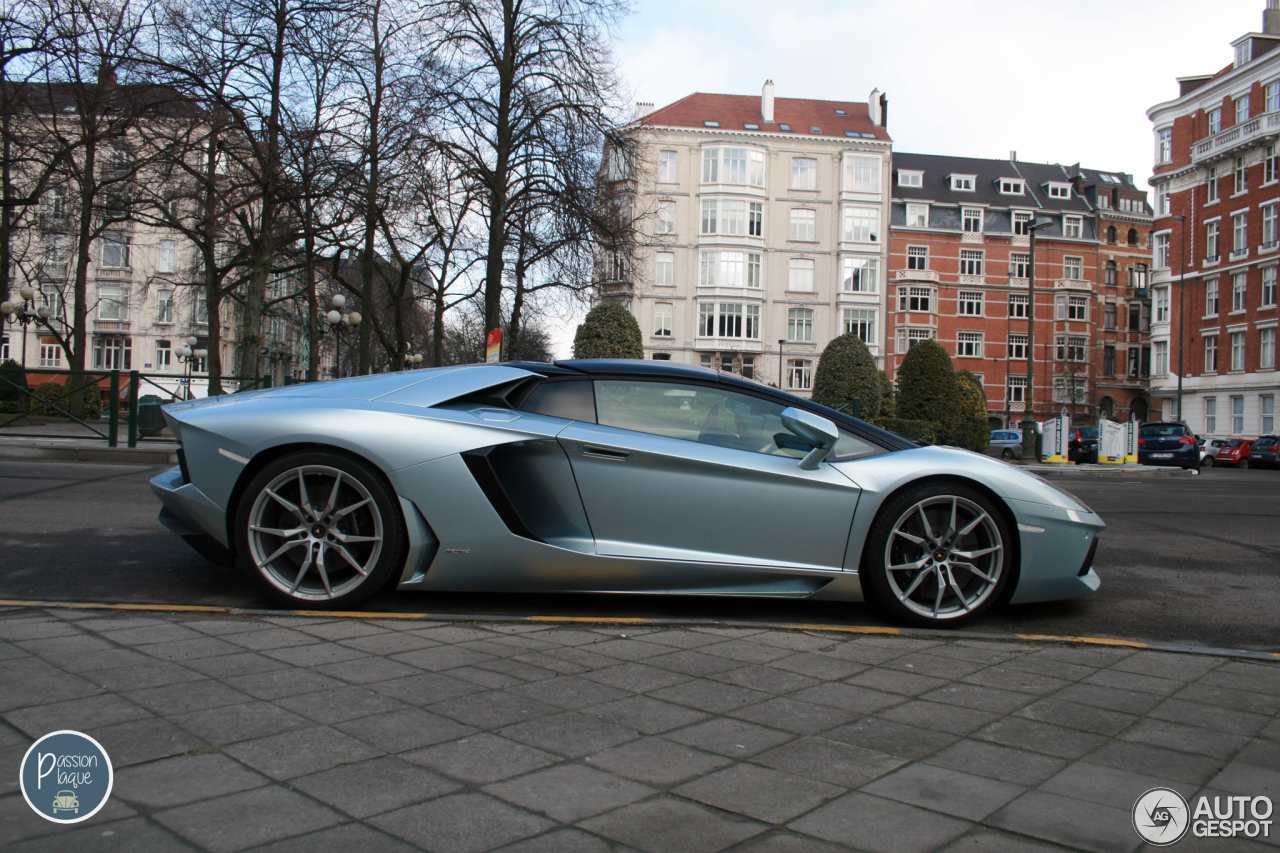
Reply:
x=1235, y=453
x=1170, y=443
x=1209, y=449
x=1083, y=445
x=1265, y=452
x=1005, y=443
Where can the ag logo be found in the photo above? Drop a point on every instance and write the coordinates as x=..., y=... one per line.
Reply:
x=1160, y=816
x=66, y=777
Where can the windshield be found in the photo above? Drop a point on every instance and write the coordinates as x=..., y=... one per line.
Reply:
x=1269, y=441
x=1088, y=432
x=1163, y=431
x=1236, y=443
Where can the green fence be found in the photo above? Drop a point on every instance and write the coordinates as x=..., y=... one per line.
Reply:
x=140, y=394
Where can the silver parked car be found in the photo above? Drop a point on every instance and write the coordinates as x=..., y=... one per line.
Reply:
x=1005, y=443
x=607, y=476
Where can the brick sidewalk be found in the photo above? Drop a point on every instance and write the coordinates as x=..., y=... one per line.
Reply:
x=241, y=732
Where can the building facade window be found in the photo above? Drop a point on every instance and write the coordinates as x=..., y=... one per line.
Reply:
x=1239, y=291
x=1073, y=268
x=729, y=269
x=164, y=353
x=1268, y=287
x=1215, y=119
x=1161, y=251
x=804, y=225
x=908, y=178
x=1237, y=350
x=1162, y=357
x=50, y=352
x=969, y=344
x=662, y=312
x=1211, y=298
x=164, y=307
x=1164, y=145
x=907, y=338
x=1241, y=177
x=1270, y=234
x=1267, y=407
x=739, y=166
x=1240, y=233
x=729, y=320
x=664, y=269
x=1270, y=165
x=755, y=219
x=1267, y=348
x=666, y=217
x=917, y=258
x=1018, y=347
x=1211, y=241
x=1016, y=389
x=859, y=275
x=1211, y=186
x=1242, y=109
x=1109, y=273
x=861, y=225
x=917, y=216
x=800, y=275
x=1162, y=199
x=799, y=374
x=1071, y=347
x=115, y=251
x=916, y=299
x=112, y=353
x=1072, y=226
x=1162, y=304
x=113, y=303
x=168, y=259
x=668, y=165
x=1210, y=414
x=800, y=325
x=1237, y=415
x=972, y=218
x=1210, y=353
x=860, y=322
x=1018, y=305
x=1109, y=360
x=862, y=174
x=1109, y=316
x=970, y=262
x=1022, y=222
x=804, y=173
x=970, y=303
x=1019, y=265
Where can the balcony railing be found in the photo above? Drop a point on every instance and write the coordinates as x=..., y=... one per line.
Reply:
x=1226, y=141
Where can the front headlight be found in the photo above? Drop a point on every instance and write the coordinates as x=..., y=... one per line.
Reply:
x=1075, y=500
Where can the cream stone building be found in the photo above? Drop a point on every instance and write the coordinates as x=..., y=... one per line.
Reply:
x=763, y=231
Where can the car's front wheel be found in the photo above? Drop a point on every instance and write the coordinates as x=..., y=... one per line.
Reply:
x=1007, y=453
x=937, y=555
x=320, y=530
x=1243, y=463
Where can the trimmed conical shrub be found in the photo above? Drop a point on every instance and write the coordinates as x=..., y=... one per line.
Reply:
x=847, y=371
x=609, y=331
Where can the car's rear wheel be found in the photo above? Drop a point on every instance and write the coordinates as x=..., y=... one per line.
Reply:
x=1007, y=453
x=1207, y=462
x=320, y=530
x=938, y=555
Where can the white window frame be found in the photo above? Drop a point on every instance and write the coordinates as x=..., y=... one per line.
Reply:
x=664, y=269
x=1162, y=304
x=116, y=250
x=1239, y=292
x=915, y=300
x=1211, y=186
x=1237, y=415
x=804, y=174
x=1210, y=353
x=799, y=374
x=1011, y=186
x=1215, y=120
x=1210, y=414
x=1212, y=233
x=1212, y=305
x=1162, y=199
x=1272, y=94
x=969, y=303
x=1242, y=108
x=662, y=316
x=1072, y=227
x=1239, y=232
x=1240, y=184
x=164, y=307
x=971, y=216
x=1164, y=145
x=860, y=322
x=164, y=355
x=963, y=183
x=731, y=166
x=859, y=275
x=800, y=275
x=1073, y=268
x=1022, y=220
x=167, y=260
x=1270, y=226
x=917, y=257
x=113, y=303
x=1160, y=354
x=800, y=325
x=971, y=262
x=861, y=174
x=1018, y=305
x=1057, y=189
x=860, y=224
x=1016, y=389
x=910, y=178
x=1160, y=251
x=1237, y=341
x=1267, y=350
x=917, y=215
x=969, y=344
x=1018, y=347
x=1267, y=413
x=666, y=217
x=1268, y=287
x=668, y=167
x=803, y=226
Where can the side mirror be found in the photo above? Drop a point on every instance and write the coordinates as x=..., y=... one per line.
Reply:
x=818, y=432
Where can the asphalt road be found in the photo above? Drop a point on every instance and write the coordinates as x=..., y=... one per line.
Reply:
x=1191, y=560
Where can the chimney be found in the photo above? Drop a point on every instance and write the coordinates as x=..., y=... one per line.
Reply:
x=884, y=110
x=873, y=106
x=643, y=108
x=766, y=101
x=1271, y=18
x=1013, y=156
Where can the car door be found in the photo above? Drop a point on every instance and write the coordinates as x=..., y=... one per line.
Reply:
x=690, y=472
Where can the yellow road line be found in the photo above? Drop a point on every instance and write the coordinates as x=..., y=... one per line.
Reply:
x=1097, y=641
x=185, y=608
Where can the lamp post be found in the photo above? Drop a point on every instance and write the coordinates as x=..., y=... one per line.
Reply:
x=782, y=365
x=339, y=322
x=1028, y=419
x=412, y=360
x=26, y=313
x=188, y=355
x=1182, y=314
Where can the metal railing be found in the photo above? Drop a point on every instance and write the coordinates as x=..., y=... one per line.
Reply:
x=76, y=382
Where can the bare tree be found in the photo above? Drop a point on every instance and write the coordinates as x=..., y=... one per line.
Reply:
x=516, y=74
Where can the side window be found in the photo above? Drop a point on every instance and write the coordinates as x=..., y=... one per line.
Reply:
x=569, y=399
x=706, y=415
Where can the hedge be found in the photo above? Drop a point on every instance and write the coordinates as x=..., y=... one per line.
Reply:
x=609, y=331
x=847, y=371
x=907, y=428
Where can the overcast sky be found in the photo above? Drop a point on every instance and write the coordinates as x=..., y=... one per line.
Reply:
x=1058, y=82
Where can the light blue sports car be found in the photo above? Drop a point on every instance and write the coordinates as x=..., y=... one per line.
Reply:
x=608, y=476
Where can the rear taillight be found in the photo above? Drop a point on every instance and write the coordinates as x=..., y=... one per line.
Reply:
x=1142, y=441
x=1185, y=440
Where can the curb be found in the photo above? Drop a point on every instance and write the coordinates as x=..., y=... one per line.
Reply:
x=928, y=633
x=1108, y=471
x=52, y=452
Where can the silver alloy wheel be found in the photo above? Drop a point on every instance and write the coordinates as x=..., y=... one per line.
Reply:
x=944, y=557
x=315, y=532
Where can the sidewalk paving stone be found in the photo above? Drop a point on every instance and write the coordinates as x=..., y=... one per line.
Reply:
x=283, y=733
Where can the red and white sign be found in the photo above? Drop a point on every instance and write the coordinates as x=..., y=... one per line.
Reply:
x=493, y=346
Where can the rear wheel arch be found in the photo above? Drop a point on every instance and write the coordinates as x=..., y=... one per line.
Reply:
x=1015, y=563
x=265, y=458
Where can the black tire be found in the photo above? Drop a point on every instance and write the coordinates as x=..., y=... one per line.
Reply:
x=363, y=527
x=901, y=599
x=1242, y=464
x=1007, y=453
x=1207, y=462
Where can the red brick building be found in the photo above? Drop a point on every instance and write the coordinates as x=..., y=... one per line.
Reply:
x=960, y=273
x=1215, y=271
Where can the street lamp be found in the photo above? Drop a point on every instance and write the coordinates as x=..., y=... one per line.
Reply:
x=782, y=365
x=411, y=360
x=26, y=313
x=1182, y=313
x=339, y=322
x=189, y=356
x=1028, y=419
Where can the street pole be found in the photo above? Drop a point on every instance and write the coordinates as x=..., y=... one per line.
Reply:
x=1028, y=419
x=1008, y=348
x=1182, y=313
x=782, y=365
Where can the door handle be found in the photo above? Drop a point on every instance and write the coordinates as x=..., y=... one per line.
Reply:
x=605, y=453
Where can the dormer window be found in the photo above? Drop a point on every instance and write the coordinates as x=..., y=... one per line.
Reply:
x=1059, y=190
x=750, y=126
x=1244, y=52
x=711, y=124
x=785, y=127
x=1011, y=186
x=815, y=130
x=908, y=178
x=841, y=113
x=963, y=183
